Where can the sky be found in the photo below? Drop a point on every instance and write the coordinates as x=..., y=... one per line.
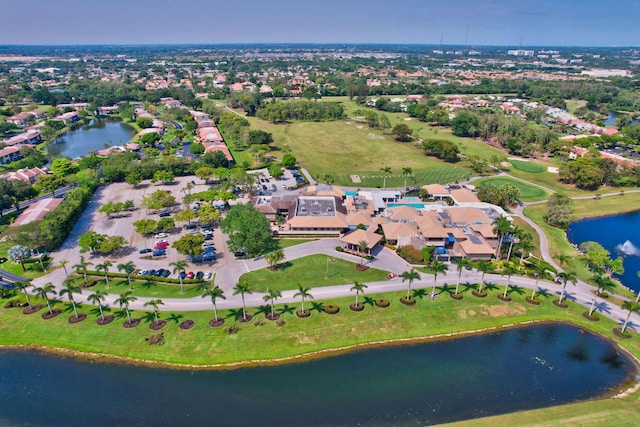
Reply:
x=473, y=22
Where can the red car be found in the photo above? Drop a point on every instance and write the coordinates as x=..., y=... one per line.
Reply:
x=190, y=275
x=162, y=245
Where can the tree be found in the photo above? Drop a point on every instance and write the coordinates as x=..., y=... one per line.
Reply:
x=461, y=263
x=196, y=149
x=633, y=307
x=243, y=288
x=63, y=264
x=133, y=179
x=605, y=284
x=406, y=171
x=23, y=286
x=566, y=277
x=90, y=241
x=483, y=267
x=402, y=132
x=559, y=211
x=49, y=183
x=19, y=254
x=69, y=288
x=179, y=266
x=436, y=268
x=274, y=258
x=386, y=171
x=501, y=226
x=214, y=293
x=81, y=267
x=410, y=276
x=105, y=267
x=158, y=199
x=205, y=173
x=539, y=270
x=508, y=271
x=289, y=161
x=123, y=301
x=63, y=166
x=185, y=216
x=163, y=176
x=515, y=234
x=271, y=296
x=128, y=267
x=150, y=139
x=97, y=298
x=359, y=288
x=208, y=214
x=44, y=292
x=189, y=244
x=144, y=122
x=275, y=170
x=259, y=137
x=154, y=303
x=303, y=293
x=248, y=230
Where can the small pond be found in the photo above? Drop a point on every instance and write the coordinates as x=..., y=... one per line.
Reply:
x=98, y=134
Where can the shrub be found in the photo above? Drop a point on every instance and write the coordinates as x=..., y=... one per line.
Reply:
x=411, y=254
x=369, y=257
x=382, y=303
x=331, y=308
x=230, y=330
x=259, y=323
x=339, y=249
x=280, y=322
x=155, y=339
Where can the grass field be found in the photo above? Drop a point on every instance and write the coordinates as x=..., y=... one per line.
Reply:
x=310, y=271
x=530, y=167
x=528, y=192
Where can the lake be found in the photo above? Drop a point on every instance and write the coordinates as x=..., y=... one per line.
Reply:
x=611, y=119
x=522, y=368
x=620, y=234
x=94, y=136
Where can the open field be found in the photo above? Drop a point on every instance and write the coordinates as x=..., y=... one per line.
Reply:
x=310, y=271
x=528, y=193
x=530, y=167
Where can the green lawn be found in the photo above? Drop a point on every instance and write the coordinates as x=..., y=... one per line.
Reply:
x=287, y=243
x=310, y=271
x=144, y=288
x=528, y=192
x=530, y=167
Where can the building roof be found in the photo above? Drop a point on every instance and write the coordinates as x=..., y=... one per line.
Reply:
x=359, y=235
x=467, y=215
x=462, y=195
x=479, y=247
x=393, y=230
x=404, y=213
x=436, y=190
x=37, y=211
x=355, y=219
x=212, y=147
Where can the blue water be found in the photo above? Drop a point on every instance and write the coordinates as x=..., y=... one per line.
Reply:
x=351, y=193
x=93, y=137
x=611, y=120
x=412, y=205
x=422, y=384
x=613, y=232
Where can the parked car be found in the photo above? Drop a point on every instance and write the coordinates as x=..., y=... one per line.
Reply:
x=190, y=275
x=196, y=258
x=190, y=226
x=239, y=254
x=207, y=275
x=158, y=273
x=165, y=214
x=208, y=237
x=199, y=275
x=151, y=272
x=166, y=273
x=209, y=257
x=273, y=187
x=162, y=244
x=182, y=275
x=144, y=251
x=161, y=236
x=143, y=272
x=159, y=252
x=193, y=231
x=207, y=243
x=264, y=187
x=209, y=250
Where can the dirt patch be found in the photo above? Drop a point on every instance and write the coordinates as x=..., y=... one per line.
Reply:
x=472, y=313
x=505, y=310
x=303, y=338
x=462, y=314
x=356, y=179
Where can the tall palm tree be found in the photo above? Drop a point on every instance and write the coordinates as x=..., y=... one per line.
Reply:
x=303, y=293
x=44, y=292
x=515, y=234
x=359, y=288
x=123, y=301
x=69, y=288
x=179, y=266
x=539, y=270
x=64, y=263
x=362, y=246
x=501, y=226
x=605, y=284
x=482, y=266
x=526, y=247
x=81, y=267
x=437, y=268
x=105, y=267
x=563, y=259
x=632, y=307
x=508, y=271
x=242, y=288
x=154, y=303
x=128, y=268
x=23, y=286
x=270, y=297
x=461, y=263
x=386, y=171
x=410, y=275
x=214, y=293
x=406, y=171
x=97, y=298
x=566, y=277
x=274, y=258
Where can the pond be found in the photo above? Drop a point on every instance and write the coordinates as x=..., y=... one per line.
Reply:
x=612, y=119
x=620, y=234
x=92, y=137
x=522, y=368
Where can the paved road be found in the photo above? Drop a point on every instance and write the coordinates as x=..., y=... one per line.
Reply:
x=59, y=192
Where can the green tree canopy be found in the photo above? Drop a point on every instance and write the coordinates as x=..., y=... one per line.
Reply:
x=248, y=230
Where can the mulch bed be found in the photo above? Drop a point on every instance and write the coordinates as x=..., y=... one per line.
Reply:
x=245, y=319
x=187, y=324
x=131, y=324
x=216, y=323
x=618, y=332
x=73, y=319
x=34, y=308
x=477, y=294
x=274, y=316
x=156, y=326
x=408, y=301
x=105, y=321
x=54, y=313
x=303, y=314
x=382, y=303
x=356, y=307
x=594, y=317
x=501, y=297
x=557, y=303
x=361, y=267
x=532, y=301
x=455, y=296
x=14, y=303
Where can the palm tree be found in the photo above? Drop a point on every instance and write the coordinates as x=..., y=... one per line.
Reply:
x=515, y=233
x=96, y=298
x=605, y=284
x=179, y=266
x=214, y=293
x=64, y=263
x=23, y=287
x=70, y=288
x=359, y=288
x=154, y=303
x=242, y=288
x=461, y=263
x=386, y=171
x=362, y=246
x=563, y=259
x=632, y=307
x=508, y=271
x=81, y=267
x=128, y=268
x=483, y=266
x=270, y=297
x=566, y=277
x=124, y=300
x=501, y=226
x=303, y=293
x=526, y=247
x=274, y=258
x=406, y=171
x=44, y=291
x=105, y=267
x=410, y=275
x=437, y=268
x=539, y=271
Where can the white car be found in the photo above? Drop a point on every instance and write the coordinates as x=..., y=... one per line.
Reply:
x=161, y=236
x=194, y=231
x=207, y=275
x=208, y=243
x=205, y=232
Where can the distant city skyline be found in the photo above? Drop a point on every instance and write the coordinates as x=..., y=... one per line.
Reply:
x=452, y=22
